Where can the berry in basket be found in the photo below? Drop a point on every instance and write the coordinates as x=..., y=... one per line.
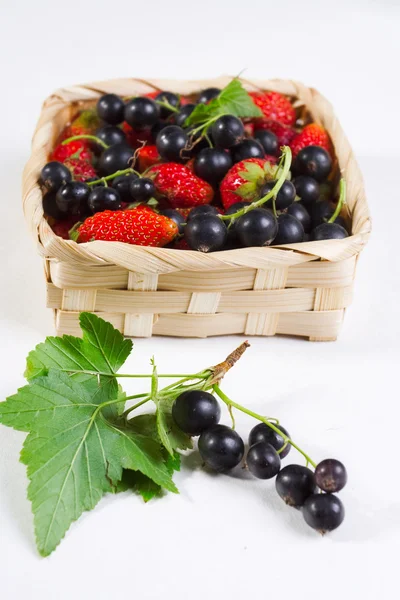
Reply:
x=220, y=149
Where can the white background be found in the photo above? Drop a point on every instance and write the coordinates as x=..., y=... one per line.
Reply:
x=223, y=537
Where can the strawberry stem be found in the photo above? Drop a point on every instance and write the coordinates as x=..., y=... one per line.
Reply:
x=341, y=201
x=287, y=161
x=85, y=136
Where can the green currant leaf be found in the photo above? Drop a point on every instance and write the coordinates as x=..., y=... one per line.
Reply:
x=140, y=484
x=73, y=454
x=232, y=100
x=102, y=349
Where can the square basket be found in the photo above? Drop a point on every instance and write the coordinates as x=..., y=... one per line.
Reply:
x=299, y=289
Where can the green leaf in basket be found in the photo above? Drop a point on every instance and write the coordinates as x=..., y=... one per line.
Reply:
x=232, y=100
x=74, y=452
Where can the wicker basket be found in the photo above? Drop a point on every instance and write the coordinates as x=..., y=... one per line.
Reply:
x=300, y=289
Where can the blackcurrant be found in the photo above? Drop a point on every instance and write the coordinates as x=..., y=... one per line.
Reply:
x=159, y=126
x=227, y=131
x=221, y=448
x=285, y=196
x=111, y=135
x=313, y=161
x=54, y=175
x=323, y=512
x=114, y=159
x=258, y=227
x=212, y=164
x=195, y=411
x=248, y=148
x=169, y=98
x=232, y=240
x=294, y=484
x=200, y=211
x=104, y=198
x=307, y=188
x=176, y=217
x=171, y=143
x=183, y=114
x=290, y=230
x=72, y=198
x=197, y=142
x=263, y=433
x=142, y=189
x=330, y=475
x=268, y=141
x=141, y=113
x=50, y=207
x=206, y=233
x=321, y=212
x=300, y=212
x=208, y=94
x=122, y=184
x=263, y=460
x=110, y=109
x=328, y=231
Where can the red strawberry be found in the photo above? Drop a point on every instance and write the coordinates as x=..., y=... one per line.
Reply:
x=137, y=138
x=147, y=157
x=244, y=180
x=283, y=133
x=80, y=169
x=85, y=123
x=312, y=135
x=275, y=106
x=180, y=186
x=140, y=226
x=76, y=149
x=152, y=95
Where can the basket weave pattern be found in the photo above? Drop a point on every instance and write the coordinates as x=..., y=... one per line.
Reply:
x=299, y=289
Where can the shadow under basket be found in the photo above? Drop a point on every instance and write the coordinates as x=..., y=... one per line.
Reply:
x=298, y=289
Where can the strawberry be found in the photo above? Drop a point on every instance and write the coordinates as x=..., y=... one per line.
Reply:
x=76, y=149
x=244, y=180
x=180, y=186
x=80, y=169
x=283, y=133
x=147, y=157
x=85, y=123
x=137, y=138
x=184, y=212
x=275, y=106
x=152, y=95
x=140, y=226
x=312, y=135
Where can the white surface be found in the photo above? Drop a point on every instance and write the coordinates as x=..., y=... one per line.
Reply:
x=223, y=537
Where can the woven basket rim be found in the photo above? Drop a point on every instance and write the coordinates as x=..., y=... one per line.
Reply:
x=96, y=252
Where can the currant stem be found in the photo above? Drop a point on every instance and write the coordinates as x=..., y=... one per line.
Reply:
x=287, y=161
x=85, y=136
x=231, y=403
x=112, y=176
x=341, y=201
x=137, y=375
x=166, y=104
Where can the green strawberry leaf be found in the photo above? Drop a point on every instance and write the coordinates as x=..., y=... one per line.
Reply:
x=74, y=455
x=232, y=100
x=247, y=191
x=252, y=172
